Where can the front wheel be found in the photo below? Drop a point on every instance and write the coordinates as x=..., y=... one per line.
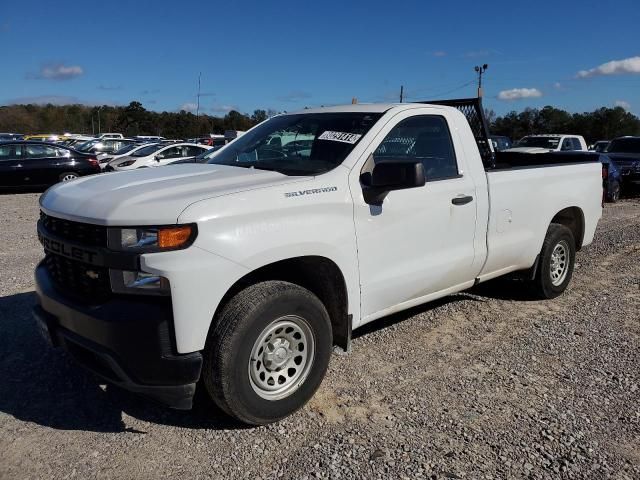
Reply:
x=268, y=352
x=556, y=262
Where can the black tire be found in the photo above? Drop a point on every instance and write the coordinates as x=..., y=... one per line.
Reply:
x=614, y=195
x=67, y=176
x=545, y=284
x=239, y=327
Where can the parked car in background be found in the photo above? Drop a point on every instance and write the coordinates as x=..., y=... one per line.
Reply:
x=148, y=138
x=211, y=140
x=611, y=179
x=75, y=140
x=8, y=137
x=625, y=153
x=31, y=164
x=500, y=142
x=233, y=134
x=42, y=137
x=204, y=157
x=600, y=146
x=107, y=146
x=127, y=149
x=156, y=155
x=109, y=135
x=550, y=143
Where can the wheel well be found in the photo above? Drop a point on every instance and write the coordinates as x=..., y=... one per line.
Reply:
x=320, y=276
x=573, y=219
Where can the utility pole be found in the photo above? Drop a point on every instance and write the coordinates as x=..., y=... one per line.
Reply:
x=93, y=128
x=401, y=93
x=99, y=131
x=480, y=70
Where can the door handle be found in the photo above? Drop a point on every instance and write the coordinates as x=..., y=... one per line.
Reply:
x=462, y=199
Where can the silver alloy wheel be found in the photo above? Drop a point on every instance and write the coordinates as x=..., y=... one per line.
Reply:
x=559, y=263
x=281, y=358
x=69, y=176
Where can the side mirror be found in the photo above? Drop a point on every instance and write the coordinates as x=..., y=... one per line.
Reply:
x=388, y=175
x=158, y=158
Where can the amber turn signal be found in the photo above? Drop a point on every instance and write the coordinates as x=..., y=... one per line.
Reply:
x=174, y=237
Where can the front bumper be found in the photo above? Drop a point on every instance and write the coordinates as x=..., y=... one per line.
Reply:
x=127, y=341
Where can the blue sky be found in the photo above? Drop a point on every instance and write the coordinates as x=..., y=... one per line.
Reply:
x=286, y=55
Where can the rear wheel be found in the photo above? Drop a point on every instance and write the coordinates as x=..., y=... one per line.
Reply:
x=614, y=194
x=268, y=352
x=556, y=262
x=68, y=176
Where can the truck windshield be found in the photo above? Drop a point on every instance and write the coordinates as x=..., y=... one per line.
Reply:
x=300, y=144
x=625, y=145
x=540, y=142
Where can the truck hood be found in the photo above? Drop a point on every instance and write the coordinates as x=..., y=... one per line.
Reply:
x=529, y=150
x=151, y=196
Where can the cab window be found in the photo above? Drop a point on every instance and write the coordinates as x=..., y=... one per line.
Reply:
x=425, y=138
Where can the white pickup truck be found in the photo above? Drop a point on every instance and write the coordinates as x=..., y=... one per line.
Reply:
x=550, y=143
x=241, y=275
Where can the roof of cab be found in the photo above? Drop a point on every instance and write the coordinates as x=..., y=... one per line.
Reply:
x=365, y=108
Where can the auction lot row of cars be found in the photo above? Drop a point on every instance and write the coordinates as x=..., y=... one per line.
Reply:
x=44, y=159
x=41, y=162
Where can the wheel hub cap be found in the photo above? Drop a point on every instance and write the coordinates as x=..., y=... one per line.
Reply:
x=281, y=357
x=559, y=263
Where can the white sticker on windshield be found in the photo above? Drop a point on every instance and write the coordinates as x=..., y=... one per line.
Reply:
x=340, y=137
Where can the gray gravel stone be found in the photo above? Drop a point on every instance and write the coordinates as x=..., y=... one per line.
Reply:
x=483, y=384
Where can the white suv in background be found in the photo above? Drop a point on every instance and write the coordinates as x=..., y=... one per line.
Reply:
x=550, y=143
x=156, y=155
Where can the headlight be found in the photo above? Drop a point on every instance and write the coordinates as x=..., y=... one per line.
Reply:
x=152, y=239
x=138, y=283
x=126, y=164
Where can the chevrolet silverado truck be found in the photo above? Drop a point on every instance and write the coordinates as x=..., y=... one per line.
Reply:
x=242, y=275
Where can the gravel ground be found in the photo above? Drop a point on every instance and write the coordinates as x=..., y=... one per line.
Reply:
x=484, y=384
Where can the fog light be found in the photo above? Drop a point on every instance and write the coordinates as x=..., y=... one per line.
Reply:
x=141, y=283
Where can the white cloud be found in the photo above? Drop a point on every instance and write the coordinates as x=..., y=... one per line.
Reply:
x=189, y=107
x=519, y=93
x=439, y=53
x=623, y=104
x=57, y=71
x=614, y=67
x=557, y=85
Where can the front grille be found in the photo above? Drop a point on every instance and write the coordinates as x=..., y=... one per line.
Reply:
x=82, y=281
x=85, y=282
x=76, y=232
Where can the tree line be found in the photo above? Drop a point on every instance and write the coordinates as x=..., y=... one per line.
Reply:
x=133, y=119
x=601, y=124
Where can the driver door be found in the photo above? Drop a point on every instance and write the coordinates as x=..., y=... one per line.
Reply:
x=420, y=242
